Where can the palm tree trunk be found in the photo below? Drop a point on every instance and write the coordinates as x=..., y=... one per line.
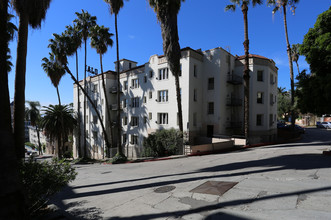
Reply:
x=119, y=124
x=244, y=9
x=84, y=119
x=58, y=95
x=78, y=112
x=298, y=67
x=39, y=144
x=11, y=194
x=291, y=67
x=19, y=98
x=171, y=49
x=92, y=103
x=107, y=105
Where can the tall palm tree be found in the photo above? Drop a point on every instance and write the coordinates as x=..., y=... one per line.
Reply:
x=11, y=193
x=115, y=6
x=244, y=8
x=54, y=72
x=33, y=114
x=166, y=12
x=295, y=55
x=61, y=47
x=58, y=122
x=11, y=31
x=100, y=40
x=76, y=41
x=282, y=5
x=84, y=22
x=31, y=12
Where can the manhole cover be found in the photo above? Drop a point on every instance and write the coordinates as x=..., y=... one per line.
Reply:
x=214, y=187
x=164, y=189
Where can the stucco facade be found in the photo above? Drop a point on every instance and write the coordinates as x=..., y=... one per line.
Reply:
x=212, y=99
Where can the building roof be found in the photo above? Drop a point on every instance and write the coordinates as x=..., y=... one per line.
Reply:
x=126, y=60
x=186, y=48
x=253, y=56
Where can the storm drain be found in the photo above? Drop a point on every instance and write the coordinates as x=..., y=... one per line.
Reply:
x=164, y=189
x=214, y=187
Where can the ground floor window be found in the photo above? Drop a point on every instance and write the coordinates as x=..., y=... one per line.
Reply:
x=134, y=139
x=162, y=118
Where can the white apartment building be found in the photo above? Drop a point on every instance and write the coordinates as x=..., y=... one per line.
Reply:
x=212, y=99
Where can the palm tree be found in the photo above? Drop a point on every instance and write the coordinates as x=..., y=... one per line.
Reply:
x=244, y=9
x=12, y=197
x=31, y=12
x=83, y=23
x=11, y=31
x=58, y=122
x=115, y=6
x=33, y=114
x=100, y=40
x=166, y=12
x=295, y=54
x=76, y=41
x=54, y=72
x=283, y=4
x=61, y=47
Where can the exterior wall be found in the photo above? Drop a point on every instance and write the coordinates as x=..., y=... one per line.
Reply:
x=33, y=136
x=144, y=83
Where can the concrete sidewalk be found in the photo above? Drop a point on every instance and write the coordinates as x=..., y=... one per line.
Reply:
x=285, y=181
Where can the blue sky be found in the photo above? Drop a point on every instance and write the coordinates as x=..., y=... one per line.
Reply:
x=202, y=24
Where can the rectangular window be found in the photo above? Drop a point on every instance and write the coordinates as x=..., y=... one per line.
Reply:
x=271, y=121
x=135, y=83
x=135, y=102
x=134, y=139
x=145, y=120
x=272, y=79
x=134, y=121
x=95, y=88
x=259, y=98
x=125, y=120
x=95, y=119
x=125, y=85
x=125, y=103
x=150, y=115
x=260, y=75
x=95, y=136
x=211, y=83
x=162, y=118
x=163, y=96
x=124, y=138
x=150, y=94
x=195, y=74
x=194, y=119
x=163, y=74
x=130, y=65
x=145, y=79
x=195, y=95
x=271, y=99
x=145, y=99
x=210, y=108
x=151, y=74
x=259, y=120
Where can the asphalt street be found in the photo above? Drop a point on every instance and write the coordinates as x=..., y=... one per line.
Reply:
x=285, y=181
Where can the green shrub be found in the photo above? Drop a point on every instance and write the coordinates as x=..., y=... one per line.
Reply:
x=41, y=180
x=68, y=154
x=119, y=159
x=30, y=145
x=163, y=143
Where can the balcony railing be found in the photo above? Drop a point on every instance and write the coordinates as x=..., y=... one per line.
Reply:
x=233, y=102
x=234, y=79
x=233, y=124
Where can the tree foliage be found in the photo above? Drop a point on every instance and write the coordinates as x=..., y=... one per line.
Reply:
x=314, y=90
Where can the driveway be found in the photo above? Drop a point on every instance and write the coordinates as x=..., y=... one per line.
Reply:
x=287, y=181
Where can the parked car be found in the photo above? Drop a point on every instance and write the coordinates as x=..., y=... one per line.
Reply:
x=30, y=152
x=326, y=124
x=319, y=125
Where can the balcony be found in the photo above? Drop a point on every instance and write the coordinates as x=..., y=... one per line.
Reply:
x=233, y=102
x=234, y=79
x=233, y=124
